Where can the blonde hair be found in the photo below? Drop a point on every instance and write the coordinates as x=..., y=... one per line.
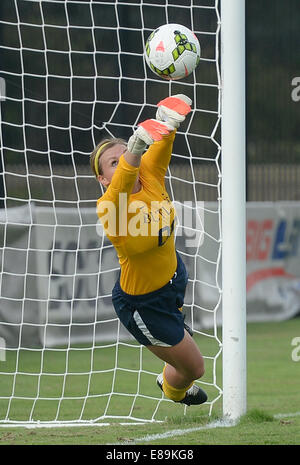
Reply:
x=95, y=158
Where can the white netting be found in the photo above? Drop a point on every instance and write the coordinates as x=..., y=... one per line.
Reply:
x=74, y=73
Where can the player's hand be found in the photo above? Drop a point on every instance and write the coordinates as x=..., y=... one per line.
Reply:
x=173, y=110
x=147, y=133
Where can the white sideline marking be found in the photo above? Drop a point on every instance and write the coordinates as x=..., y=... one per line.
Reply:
x=180, y=432
x=168, y=434
x=286, y=415
x=62, y=425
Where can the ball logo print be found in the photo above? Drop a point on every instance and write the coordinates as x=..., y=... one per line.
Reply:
x=172, y=51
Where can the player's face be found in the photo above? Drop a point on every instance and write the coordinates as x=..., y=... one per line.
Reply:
x=109, y=161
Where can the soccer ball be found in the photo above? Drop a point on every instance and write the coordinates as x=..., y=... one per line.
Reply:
x=172, y=51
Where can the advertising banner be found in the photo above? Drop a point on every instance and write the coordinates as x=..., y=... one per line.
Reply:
x=58, y=270
x=273, y=260
x=273, y=264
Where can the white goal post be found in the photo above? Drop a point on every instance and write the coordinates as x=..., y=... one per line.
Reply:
x=73, y=72
x=233, y=208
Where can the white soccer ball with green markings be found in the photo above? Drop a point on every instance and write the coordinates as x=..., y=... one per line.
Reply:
x=172, y=51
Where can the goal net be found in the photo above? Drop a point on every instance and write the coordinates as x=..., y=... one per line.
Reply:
x=73, y=72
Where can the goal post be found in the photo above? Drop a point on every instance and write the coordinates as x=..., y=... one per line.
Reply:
x=233, y=208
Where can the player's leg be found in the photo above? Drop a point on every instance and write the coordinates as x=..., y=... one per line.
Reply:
x=185, y=362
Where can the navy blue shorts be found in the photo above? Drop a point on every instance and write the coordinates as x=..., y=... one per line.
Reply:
x=154, y=318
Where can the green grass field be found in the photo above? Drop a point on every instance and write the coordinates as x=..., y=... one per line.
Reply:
x=273, y=381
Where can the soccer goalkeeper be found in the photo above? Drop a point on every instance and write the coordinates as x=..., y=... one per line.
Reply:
x=149, y=293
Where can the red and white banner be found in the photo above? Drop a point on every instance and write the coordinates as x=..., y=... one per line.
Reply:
x=273, y=260
x=273, y=264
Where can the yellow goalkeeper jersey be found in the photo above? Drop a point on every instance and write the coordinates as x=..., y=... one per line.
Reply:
x=141, y=225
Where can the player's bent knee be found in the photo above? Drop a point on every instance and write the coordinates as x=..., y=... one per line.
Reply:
x=200, y=371
x=194, y=371
x=197, y=371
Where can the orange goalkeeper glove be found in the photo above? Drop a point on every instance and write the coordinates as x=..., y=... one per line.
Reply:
x=147, y=133
x=173, y=110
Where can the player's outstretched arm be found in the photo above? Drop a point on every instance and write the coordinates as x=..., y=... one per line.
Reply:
x=172, y=111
